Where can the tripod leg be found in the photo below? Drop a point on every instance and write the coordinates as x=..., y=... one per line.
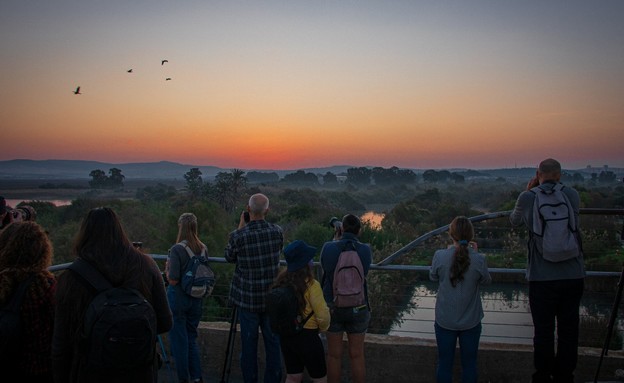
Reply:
x=166, y=358
x=229, y=351
x=612, y=319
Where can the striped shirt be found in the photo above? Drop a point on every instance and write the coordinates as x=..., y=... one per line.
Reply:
x=255, y=248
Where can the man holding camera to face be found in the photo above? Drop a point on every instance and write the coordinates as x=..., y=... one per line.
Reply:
x=255, y=247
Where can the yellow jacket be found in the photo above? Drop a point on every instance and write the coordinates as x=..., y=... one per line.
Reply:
x=315, y=302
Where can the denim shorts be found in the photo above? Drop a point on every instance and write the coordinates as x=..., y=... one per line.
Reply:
x=352, y=320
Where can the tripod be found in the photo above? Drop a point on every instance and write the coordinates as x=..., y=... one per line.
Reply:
x=227, y=364
x=614, y=310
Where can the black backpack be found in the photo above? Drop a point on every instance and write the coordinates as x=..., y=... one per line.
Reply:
x=282, y=308
x=11, y=325
x=119, y=333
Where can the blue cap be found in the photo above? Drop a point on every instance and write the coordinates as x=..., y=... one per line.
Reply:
x=298, y=255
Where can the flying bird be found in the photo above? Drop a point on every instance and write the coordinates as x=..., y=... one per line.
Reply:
x=168, y=78
x=163, y=62
x=77, y=91
x=130, y=70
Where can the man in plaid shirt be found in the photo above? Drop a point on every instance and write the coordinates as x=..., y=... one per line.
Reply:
x=255, y=247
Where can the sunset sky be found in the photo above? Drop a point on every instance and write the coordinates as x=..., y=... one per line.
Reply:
x=297, y=84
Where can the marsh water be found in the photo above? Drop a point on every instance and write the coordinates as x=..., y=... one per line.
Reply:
x=507, y=317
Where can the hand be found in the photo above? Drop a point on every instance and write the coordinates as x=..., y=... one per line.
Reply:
x=241, y=222
x=473, y=246
x=533, y=183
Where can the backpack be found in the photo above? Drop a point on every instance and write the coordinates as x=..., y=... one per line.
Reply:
x=119, y=333
x=349, y=279
x=198, y=279
x=11, y=324
x=282, y=308
x=554, y=224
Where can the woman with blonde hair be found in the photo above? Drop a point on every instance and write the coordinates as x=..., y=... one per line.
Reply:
x=187, y=310
x=460, y=270
x=25, y=255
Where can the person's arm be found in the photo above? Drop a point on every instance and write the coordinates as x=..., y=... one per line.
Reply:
x=486, y=278
x=231, y=250
x=164, y=318
x=433, y=271
x=319, y=306
x=174, y=265
x=517, y=214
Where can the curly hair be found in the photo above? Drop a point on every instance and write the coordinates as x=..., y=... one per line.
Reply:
x=24, y=249
x=299, y=280
x=462, y=232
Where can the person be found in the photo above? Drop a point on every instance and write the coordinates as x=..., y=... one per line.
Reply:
x=255, y=247
x=25, y=252
x=305, y=349
x=24, y=213
x=555, y=288
x=354, y=321
x=102, y=242
x=6, y=216
x=459, y=270
x=187, y=311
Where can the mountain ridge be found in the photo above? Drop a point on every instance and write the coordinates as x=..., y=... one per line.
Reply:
x=79, y=169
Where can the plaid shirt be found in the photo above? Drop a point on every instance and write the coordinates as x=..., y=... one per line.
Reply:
x=255, y=248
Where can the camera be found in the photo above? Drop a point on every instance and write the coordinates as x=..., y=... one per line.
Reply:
x=137, y=245
x=246, y=217
x=335, y=223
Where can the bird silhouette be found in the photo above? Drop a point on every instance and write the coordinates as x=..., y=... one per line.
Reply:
x=130, y=70
x=163, y=62
x=168, y=78
x=77, y=91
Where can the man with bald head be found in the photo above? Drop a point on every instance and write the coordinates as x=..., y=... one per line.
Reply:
x=555, y=287
x=255, y=247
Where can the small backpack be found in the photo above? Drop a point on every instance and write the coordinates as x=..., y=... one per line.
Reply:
x=119, y=333
x=554, y=224
x=282, y=308
x=11, y=325
x=349, y=279
x=198, y=279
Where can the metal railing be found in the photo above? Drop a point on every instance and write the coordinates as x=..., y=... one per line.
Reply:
x=416, y=311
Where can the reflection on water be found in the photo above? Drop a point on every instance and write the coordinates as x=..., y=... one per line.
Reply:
x=373, y=219
x=507, y=317
x=56, y=202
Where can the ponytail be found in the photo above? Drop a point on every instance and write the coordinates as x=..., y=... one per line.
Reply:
x=462, y=231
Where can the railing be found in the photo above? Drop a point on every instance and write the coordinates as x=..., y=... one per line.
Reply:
x=507, y=316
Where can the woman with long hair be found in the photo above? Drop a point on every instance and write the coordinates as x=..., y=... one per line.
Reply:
x=460, y=270
x=305, y=349
x=102, y=243
x=25, y=255
x=187, y=310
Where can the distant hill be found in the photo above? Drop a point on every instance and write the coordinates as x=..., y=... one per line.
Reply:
x=164, y=170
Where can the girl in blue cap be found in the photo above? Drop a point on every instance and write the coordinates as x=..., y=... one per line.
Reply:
x=305, y=349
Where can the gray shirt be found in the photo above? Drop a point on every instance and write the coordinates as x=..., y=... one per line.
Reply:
x=539, y=269
x=458, y=308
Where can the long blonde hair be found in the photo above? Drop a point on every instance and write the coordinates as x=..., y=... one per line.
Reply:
x=187, y=231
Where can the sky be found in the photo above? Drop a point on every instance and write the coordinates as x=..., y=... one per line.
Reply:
x=299, y=84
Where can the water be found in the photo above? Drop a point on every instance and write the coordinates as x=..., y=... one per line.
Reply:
x=56, y=202
x=507, y=317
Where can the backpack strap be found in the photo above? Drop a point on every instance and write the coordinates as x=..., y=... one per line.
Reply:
x=89, y=273
x=190, y=252
x=305, y=320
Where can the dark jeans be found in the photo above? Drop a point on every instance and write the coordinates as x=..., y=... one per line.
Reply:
x=468, y=350
x=555, y=302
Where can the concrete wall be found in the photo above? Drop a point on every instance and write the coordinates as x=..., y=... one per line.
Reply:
x=398, y=359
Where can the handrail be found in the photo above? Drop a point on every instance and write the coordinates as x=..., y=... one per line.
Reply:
x=385, y=263
x=479, y=218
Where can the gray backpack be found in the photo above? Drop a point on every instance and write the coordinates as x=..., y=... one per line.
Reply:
x=554, y=224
